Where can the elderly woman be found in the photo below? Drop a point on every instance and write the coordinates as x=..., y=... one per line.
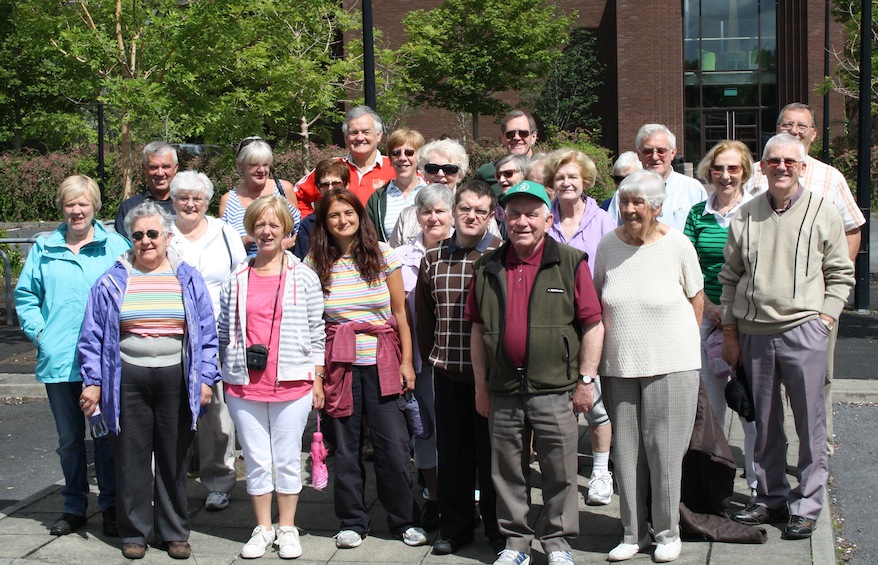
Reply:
x=443, y=161
x=214, y=248
x=650, y=285
x=626, y=163
x=434, y=204
x=253, y=160
x=50, y=297
x=385, y=204
x=727, y=166
x=272, y=305
x=148, y=349
x=579, y=222
x=368, y=365
x=511, y=170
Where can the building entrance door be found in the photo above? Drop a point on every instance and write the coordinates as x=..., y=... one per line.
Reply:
x=741, y=125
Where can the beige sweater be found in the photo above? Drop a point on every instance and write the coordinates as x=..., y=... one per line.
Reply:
x=784, y=270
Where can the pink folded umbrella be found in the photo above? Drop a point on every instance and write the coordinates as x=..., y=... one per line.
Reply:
x=319, y=472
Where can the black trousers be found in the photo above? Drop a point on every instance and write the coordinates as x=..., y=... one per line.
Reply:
x=155, y=420
x=464, y=446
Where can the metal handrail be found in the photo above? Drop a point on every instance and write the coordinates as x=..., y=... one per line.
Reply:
x=7, y=275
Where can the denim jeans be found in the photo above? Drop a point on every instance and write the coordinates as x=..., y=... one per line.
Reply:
x=70, y=423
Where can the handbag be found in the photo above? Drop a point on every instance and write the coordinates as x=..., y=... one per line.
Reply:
x=739, y=397
x=417, y=415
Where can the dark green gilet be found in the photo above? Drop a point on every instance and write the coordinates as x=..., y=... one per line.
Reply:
x=554, y=334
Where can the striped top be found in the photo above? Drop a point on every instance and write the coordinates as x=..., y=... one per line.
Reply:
x=234, y=215
x=396, y=202
x=351, y=299
x=153, y=305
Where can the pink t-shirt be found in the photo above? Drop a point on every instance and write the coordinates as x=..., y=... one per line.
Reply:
x=263, y=387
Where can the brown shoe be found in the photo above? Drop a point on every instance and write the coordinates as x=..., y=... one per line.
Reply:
x=179, y=549
x=133, y=550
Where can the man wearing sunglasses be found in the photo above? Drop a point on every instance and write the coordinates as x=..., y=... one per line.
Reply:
x=518, y=132
x=657, y=147
x=159, y=167
x=370, y=170
x=785, y=281
x=797, y=119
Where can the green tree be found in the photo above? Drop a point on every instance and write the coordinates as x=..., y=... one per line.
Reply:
x=570, y=92
x=465, y=52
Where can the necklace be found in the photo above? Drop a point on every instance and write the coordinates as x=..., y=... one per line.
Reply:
x=730, y=205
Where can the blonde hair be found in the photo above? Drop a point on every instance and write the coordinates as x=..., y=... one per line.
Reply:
x=279, y=205
x=561, y=157
x=703, y=170
x=78, y=185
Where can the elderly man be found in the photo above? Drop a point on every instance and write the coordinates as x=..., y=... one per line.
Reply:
x=786, y=277
x=657, y=147
x=369, y=169
x=462, y=438
x=518, y=132
x=536, y=343
x=159, y=167
x=825, y=180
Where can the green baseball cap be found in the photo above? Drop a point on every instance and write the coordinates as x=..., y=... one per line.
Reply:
x=529, y=188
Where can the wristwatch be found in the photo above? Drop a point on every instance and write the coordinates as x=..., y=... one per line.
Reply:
x=586, y=379
x=829, y=325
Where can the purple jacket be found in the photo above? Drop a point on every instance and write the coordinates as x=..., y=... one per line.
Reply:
x=594, y=224
x=100, y=360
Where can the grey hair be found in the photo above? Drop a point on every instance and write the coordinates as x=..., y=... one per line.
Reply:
x=648, y=131
x=156, y=148
x=359, y=112
x=521, y=162
x=258, y=151
x=191, y=181
x=147, y=209
x=798, y=106
x=648, y=185
x=433, y=194
x=626, y=161
x=783, y=140
x=450, y=149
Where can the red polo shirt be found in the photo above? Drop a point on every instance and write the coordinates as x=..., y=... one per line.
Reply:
x=363, y=182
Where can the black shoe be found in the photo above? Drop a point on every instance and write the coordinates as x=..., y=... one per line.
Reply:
x=111, y=526
x=430, y=516
x=66, y=524
x=799, y=527
x=498, y=544
x=445, y=546
x=756, y=514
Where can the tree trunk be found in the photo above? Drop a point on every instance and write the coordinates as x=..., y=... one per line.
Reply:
x=475, y=127
x=18, y=129
x=126, y=153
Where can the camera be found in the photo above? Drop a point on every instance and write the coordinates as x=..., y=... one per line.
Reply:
x=257, y=357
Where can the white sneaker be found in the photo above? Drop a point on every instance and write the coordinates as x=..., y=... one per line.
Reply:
x=667, y=552
x=347, y=539
x=414, y=537
x=260, y=540
x=600, y=489
x=625, y=551
x=512, y=557
x=288, y=546
x=560, y=558
x=216, y=501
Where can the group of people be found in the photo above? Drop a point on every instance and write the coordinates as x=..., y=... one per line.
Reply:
x=498, y=301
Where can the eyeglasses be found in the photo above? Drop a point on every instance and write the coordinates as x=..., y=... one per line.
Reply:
x=479, y=212
x=197, y=200
x=245, y=142
x=151, y=234
x=398, y=152
x=648, y=151
x=357, y=132
x=330, y=184
x=522, y=133
x=433, y=169
x=720, y=169
x=776, y=161
x=799, y=127
x=507, y=174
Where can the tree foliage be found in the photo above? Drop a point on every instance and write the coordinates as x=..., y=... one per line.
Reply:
x=568, y=98
x=848, y=13
x=465, y=52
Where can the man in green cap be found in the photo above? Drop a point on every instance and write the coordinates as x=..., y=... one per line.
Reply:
x=535, y=347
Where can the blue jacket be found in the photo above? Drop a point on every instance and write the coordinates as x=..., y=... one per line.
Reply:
x=51, y=294
x=101, y=362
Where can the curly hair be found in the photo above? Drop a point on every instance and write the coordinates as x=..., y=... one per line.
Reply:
x=325, y=250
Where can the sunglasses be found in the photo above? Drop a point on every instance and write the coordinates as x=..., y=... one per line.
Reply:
x=776, y=161
x=433, y=169
x=245, y=142
x=662, y=151
x=507, y=174
x=522, y=133
x=720, y=169
x=151, y=234
x=330, y=184
x=398, y=152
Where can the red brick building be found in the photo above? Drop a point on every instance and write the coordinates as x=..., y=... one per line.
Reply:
x=708, y=69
